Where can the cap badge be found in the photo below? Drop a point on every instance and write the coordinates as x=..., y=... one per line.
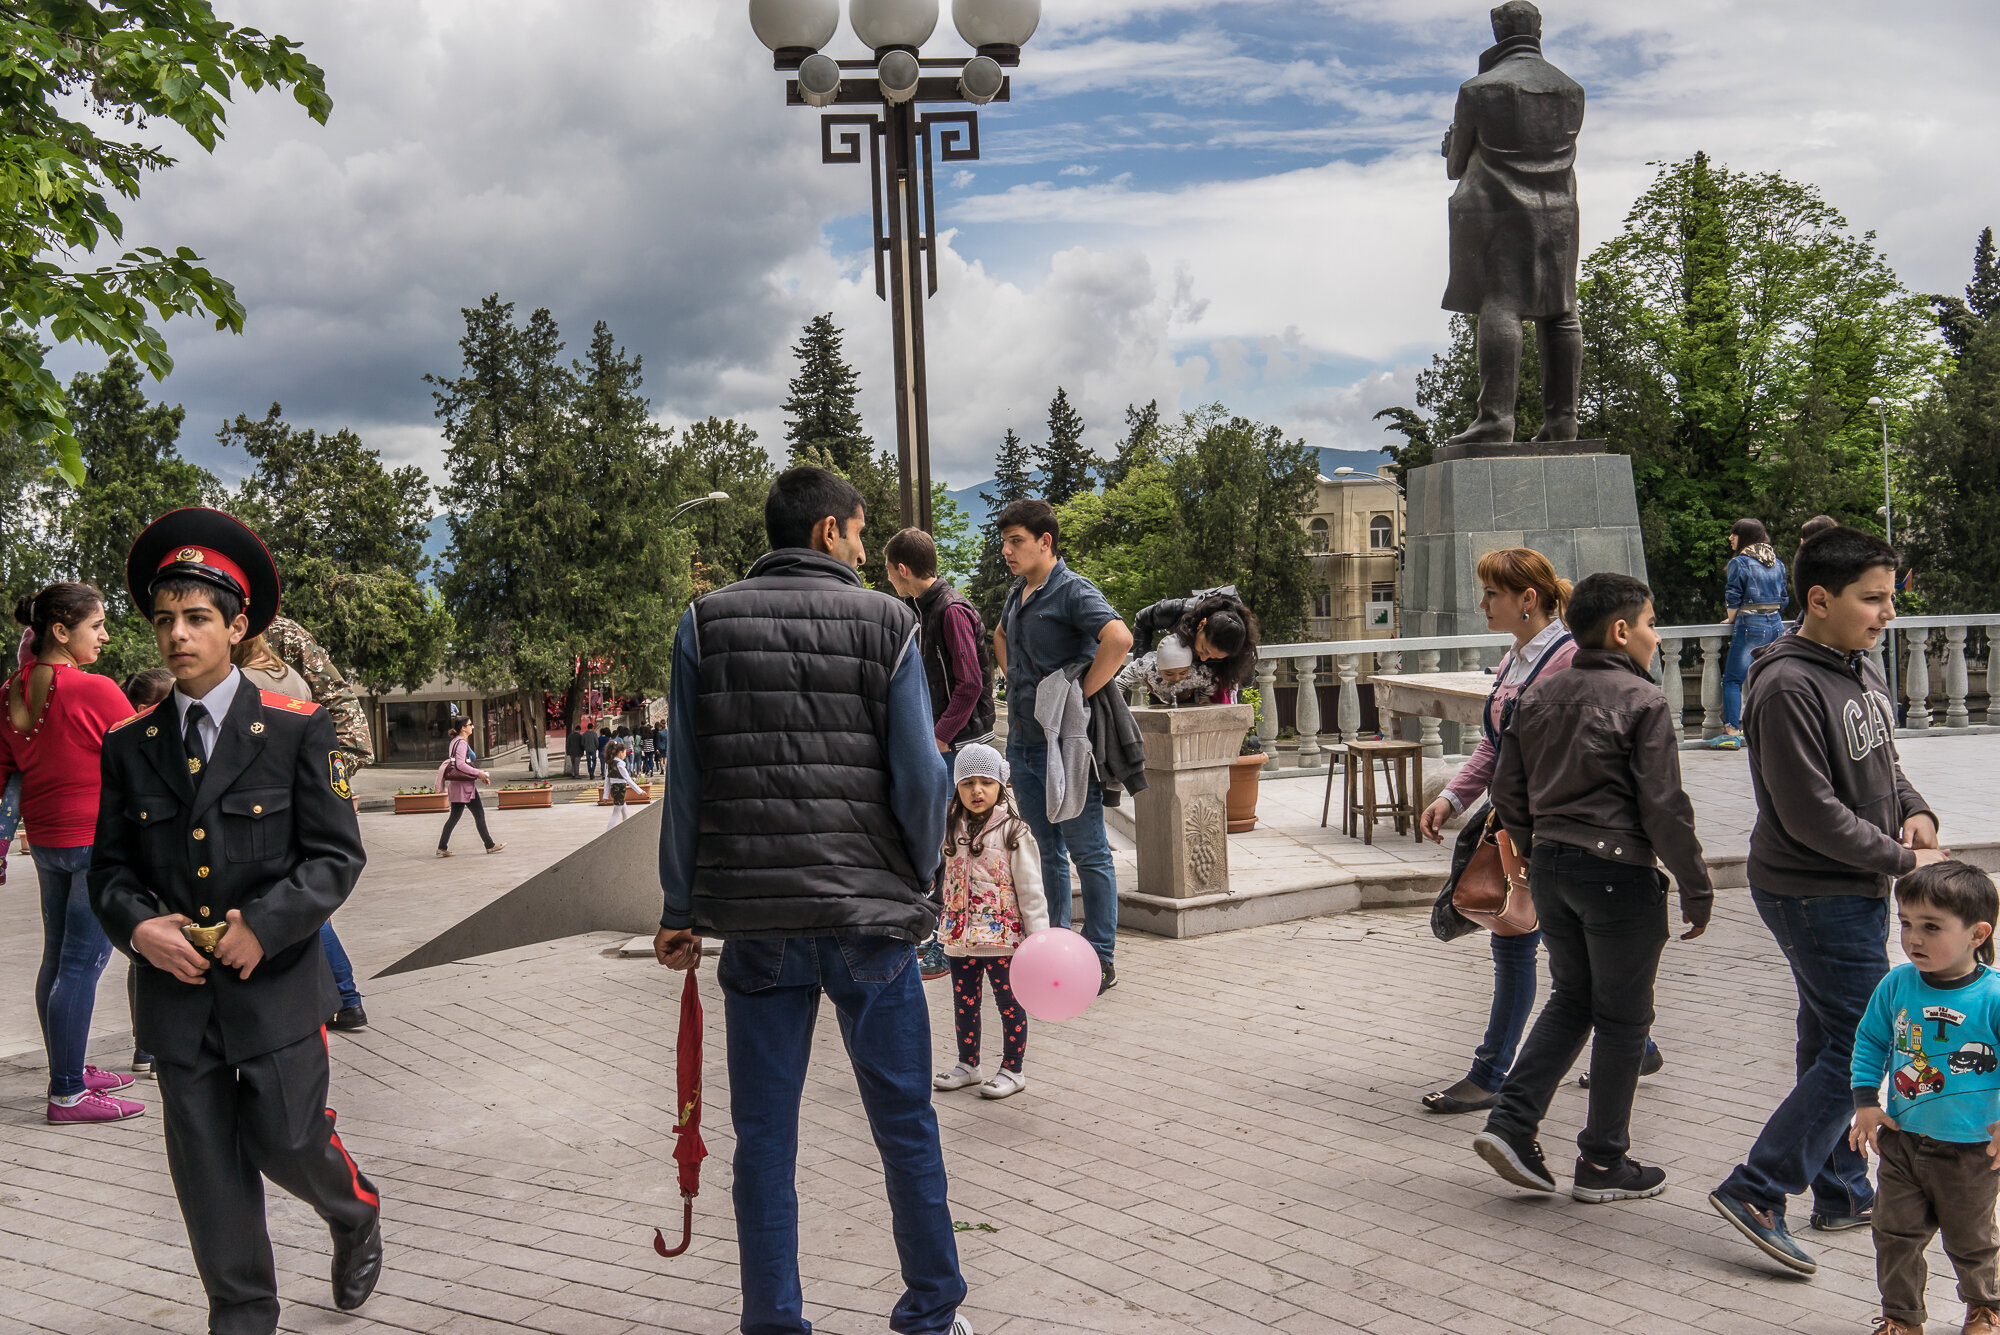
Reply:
x=191, y=555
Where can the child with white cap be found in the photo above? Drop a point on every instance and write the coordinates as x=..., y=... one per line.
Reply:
x=992, y=901
x=1170, y=672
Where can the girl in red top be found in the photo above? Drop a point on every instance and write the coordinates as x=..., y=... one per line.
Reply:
x=56, y=718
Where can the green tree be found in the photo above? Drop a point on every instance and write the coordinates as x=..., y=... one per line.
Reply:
x=1448, y=397
x=822, y=424
x=1960, y=320
x=1011, y=482
x=1142, y=442
x=1065, y=463
x=130, y=62
x=951, y=530
x=133, y=473
x=347, y=535
x=1951, y=530
x=718, y=454
x=1124, y=538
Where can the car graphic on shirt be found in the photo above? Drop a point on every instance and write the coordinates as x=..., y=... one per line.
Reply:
x=1914, y=1079
x=1973, y=1059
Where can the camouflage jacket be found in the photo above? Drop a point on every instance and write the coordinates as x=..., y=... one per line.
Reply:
x=291, y=642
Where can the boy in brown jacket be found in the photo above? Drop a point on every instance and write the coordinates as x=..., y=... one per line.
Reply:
x=1589, y=789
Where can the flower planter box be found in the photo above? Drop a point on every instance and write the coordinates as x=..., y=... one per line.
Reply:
x=634, y=797
x=518, y=799
x=414, y=804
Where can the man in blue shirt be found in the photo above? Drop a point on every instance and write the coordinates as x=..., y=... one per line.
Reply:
x=804, y=818
x=1053, y=620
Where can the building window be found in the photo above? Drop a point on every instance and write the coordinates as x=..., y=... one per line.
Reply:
x=1322, y=605
x=1318, y=530
x=1381, y=534
x=418, y=729
x=1382, y=593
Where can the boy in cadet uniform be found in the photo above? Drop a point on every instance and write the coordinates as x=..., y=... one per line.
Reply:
x=226, y=836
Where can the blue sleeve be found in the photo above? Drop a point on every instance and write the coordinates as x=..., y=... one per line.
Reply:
x=919, y=784
x=1737, y=592
x=1090, y=611
x=1874, y=1037
x=680, y=823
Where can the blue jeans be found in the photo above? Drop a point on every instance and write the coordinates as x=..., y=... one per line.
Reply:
x=74, y=952
x=1080, y=837
x=1753, y=631
x=770, y=999
x=343, y=969
x=1837, y=946
x=1514, y=985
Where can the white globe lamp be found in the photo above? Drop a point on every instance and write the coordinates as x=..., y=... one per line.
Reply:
x=996, y=27
x=794, y=29
x=881, y=24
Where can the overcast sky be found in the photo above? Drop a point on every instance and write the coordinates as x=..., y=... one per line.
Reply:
x=1187, y=200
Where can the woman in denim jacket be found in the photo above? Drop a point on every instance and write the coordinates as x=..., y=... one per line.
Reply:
x=1756, y=596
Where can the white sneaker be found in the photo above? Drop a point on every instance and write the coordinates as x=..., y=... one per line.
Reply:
x=1004, y=1084
x=960, y=1326
x=958, y=1077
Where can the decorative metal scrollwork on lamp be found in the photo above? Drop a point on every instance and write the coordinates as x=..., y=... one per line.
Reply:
x=899, y=150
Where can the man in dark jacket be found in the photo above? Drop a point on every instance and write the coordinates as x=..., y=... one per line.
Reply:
x=951, y=636
x=804, y=817
x=1837, y=821
x=1589, y=787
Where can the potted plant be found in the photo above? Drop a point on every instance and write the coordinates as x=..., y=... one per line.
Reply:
x=1244, y=770
x=420, y=800
x=517, y=796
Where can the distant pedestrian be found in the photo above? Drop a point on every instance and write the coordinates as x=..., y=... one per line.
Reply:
x=645, y=741
x=1931, y=1030
x=1589, y=786
x=618, y=780
x=805, y=814
x=992, y=902
x=1056, y=625
x=461, y=777
x=1837, y=821
x=573, y=751
x=1756, y=596
x=53, y=736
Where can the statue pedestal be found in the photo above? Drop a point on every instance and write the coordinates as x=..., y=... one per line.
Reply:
x=1579, y=510
x=1181, y=820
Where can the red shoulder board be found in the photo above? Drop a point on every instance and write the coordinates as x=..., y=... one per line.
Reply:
x=279, y=700
x=135, y=718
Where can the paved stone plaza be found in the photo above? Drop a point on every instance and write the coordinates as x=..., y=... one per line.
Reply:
x=1230, y=1142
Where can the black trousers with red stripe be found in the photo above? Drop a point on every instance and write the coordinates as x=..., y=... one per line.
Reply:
x=227, y=1128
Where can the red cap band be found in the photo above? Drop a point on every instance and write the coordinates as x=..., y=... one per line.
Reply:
x=214, y=560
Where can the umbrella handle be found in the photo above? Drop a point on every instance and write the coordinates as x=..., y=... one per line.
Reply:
x=687, y=1231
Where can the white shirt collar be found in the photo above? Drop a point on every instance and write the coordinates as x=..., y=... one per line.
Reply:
x=1529, y=654
x=216, y=702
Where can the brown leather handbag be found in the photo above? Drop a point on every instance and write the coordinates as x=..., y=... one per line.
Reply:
x=1492, y=890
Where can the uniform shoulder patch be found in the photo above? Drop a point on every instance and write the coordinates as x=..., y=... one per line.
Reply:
x=336, y=776
x=279, y=700
x=134, y=719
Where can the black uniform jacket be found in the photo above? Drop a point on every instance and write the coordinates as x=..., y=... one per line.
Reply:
x=267, y=827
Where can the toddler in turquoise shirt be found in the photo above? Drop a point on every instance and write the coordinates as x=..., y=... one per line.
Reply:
x=1933, y=1028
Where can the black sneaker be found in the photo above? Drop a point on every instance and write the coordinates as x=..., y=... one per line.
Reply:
x=350, y=1018
x=1650, y=1064
x=1519, y=1160
x=142, y=1062
x=932, y=960
x=1108, y=979
x=1629, y=1181
x=1828, y=1222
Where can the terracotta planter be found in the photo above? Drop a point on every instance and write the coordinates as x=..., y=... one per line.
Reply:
x=417, y=804
x=518, y=799
x=634, y=797
x=1243, y=783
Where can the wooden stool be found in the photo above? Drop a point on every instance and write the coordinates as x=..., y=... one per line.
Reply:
x=1403, y=776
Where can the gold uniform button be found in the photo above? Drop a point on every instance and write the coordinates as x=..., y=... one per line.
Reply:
x=142, y=815
x=201, y=834
x=201, y=872
x=204, y=910
x=256, y=811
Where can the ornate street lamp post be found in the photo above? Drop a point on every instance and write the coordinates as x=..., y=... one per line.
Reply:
x=899, y=152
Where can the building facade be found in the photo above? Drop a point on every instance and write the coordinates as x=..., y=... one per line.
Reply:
x=1356, y=531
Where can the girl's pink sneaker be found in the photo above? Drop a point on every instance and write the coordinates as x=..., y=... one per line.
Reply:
x=103, y=1082
x=94, y=1107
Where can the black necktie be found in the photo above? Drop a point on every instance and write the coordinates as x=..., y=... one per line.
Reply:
x=191, y=738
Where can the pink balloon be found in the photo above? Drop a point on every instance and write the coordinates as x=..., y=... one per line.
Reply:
x=1055, y=974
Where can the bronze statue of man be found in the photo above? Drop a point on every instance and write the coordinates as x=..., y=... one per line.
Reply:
x=1512, y=149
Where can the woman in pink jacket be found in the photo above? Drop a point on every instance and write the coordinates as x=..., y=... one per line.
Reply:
x=461, y=786
x=1523, y=598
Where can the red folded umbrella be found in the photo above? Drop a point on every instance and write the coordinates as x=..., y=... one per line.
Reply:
x=688, y=1149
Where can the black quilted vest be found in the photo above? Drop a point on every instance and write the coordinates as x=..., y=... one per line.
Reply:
x=791, y=725
x=931, y=607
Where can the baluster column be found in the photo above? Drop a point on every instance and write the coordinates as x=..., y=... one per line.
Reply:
x=1674, y=685
x=1306, y=672
x=1712, y=649
x=1348, y=708
x=1468, y=737
x=1957, y=681
x=1427, y=727
x=1917, y=680
x=1267, y=709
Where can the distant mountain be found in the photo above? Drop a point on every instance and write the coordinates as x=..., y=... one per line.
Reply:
x=1361, y=461
x=434, y=545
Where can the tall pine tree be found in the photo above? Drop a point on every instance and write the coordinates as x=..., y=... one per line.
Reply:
x=1142, y=442
x=821, y=423
x=1011, y=481
x=1952, y=529
x=1960, y=320
x=1066, y=464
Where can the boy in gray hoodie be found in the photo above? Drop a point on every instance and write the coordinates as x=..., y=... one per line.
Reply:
x=1837, y=821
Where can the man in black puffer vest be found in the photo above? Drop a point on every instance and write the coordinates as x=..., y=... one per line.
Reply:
x=803, y=823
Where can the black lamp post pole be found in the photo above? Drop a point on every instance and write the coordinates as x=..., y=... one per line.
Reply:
x=900, y=159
